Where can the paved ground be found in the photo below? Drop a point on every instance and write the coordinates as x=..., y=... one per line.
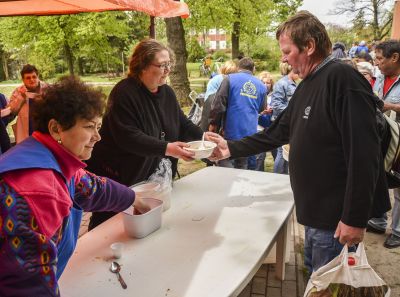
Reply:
x=386, y=262
x=264, y=284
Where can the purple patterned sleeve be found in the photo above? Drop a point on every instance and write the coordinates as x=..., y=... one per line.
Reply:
x=28, y=258
x=95, y=193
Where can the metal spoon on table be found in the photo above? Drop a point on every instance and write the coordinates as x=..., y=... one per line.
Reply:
x=115, y=268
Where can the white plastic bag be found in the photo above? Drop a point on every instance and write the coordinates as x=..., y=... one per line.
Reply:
x=163, y=174
x=339, y=278
x=163, y=177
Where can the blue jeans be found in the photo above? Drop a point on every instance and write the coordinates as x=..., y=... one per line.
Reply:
x=239, y=163
x=260, y=159
x=280, y=164
x=319, y=248
x=252, y=162
x=381, y=223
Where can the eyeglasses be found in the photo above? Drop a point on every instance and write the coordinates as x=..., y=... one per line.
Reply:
x=164, y=66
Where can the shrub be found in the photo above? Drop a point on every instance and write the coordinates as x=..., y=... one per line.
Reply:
x=264, y=50
x=220, y=54
x=195, y=51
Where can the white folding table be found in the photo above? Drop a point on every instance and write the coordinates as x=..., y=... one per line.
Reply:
x=221, y=225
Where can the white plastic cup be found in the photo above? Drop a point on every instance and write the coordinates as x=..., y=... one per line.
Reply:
x=116, y=249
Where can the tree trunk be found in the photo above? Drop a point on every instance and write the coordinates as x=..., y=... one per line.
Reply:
x=69, y=57
x=80, y=66
x=236, y=33
x=152, y=28
x=5, y=65
x=375, y=24
x=235, y=40
x=179, y=74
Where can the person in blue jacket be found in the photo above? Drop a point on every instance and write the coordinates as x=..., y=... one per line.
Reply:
x=237, y=105
x=362, y=48
x=281, y=95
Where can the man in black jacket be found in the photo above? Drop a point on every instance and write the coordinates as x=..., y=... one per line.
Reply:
x=335, y=165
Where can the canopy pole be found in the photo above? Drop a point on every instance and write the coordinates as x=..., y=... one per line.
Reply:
x=396, y=20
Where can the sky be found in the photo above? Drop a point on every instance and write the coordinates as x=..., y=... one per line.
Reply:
x=320, y=9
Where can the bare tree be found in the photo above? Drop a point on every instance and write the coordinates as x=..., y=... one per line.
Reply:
x=377, y=13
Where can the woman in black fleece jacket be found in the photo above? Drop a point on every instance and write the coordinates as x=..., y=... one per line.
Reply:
x=143, y=122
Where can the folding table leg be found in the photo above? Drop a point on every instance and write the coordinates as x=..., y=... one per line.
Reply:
x=281, y=250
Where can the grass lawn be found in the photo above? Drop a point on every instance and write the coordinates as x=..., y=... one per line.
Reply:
x=6, y=90
x=185, y=168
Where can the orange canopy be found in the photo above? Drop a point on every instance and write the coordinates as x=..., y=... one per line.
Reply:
x=396, y=20
x=159, y=8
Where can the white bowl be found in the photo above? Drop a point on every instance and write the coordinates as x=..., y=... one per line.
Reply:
x=154, y=190
x=141, y=225
x=201, y=152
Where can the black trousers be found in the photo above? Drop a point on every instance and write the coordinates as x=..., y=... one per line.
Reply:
x=99, y=217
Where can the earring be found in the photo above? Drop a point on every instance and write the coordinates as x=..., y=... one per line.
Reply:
x=59, y=141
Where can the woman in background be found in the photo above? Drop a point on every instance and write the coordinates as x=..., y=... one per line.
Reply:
x=213, y=84
x=264, y=120
x=281, y=95
x=212, y=87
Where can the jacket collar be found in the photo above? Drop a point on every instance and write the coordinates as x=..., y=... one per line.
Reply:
x=69, y=164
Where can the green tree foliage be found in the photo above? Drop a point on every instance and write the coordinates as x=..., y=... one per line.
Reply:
x=242, y=17
x=88, y=42
x=342, y=34
x=283, y=9
x=264, y=50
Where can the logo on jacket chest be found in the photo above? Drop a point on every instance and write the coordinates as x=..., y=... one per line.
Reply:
x=249, y=90
x=307, y=112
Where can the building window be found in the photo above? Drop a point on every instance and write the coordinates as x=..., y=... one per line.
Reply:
x=213, y=44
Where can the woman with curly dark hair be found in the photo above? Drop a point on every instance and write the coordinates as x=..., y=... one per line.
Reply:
x=44, y=188
x=143, y=122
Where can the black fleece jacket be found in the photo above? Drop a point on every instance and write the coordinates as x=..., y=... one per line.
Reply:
x=335, y=162
x=132, y=144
